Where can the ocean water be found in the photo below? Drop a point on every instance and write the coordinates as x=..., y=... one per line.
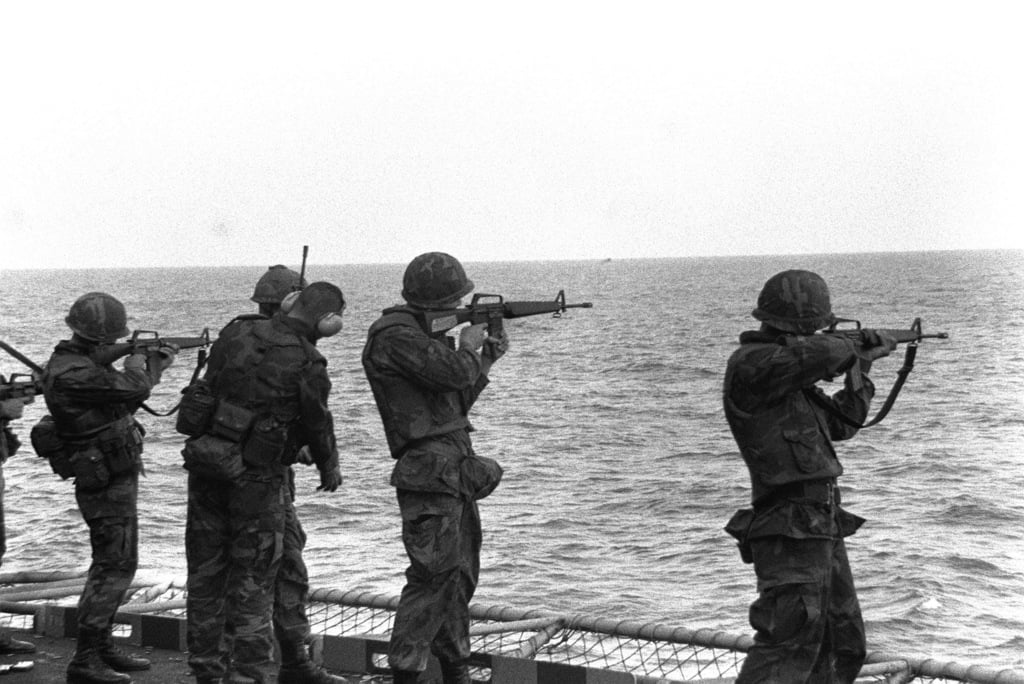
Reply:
x=620, y=471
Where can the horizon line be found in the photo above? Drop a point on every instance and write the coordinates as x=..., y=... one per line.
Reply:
x=529, y=260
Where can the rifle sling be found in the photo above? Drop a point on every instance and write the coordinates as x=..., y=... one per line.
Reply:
x=901, y=378
x=200, y=362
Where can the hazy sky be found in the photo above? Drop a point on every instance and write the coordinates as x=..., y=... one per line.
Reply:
x=144, y=133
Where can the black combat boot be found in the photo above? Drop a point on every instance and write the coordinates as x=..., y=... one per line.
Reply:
x=455, y=673
x=307, y=673
x=239, y=678
x=297, y=668
x=118, y=659
x=86, y=667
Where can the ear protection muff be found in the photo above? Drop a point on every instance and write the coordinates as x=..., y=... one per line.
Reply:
x=329, y=324
x=326, y=325
x=289, y=300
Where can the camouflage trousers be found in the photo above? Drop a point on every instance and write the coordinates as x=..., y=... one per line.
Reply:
x=442, y=538
x=807, y=617
x=3, y=527
x=113, y=524
x=291, y=589
x=233, y=544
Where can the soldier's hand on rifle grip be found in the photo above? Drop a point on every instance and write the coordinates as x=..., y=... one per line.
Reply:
x=135, y=362
x=472, y=337
x=495, y=347
x=166, y=355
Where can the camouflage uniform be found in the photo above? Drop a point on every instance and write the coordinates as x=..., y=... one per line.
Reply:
x=9, y=444
x=291, y=589
x=424, y=391
x=808, y=620
x=235, y=531
x=92, y=406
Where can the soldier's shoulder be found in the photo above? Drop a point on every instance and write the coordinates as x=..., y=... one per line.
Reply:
x=240, y=324
x=67, y=357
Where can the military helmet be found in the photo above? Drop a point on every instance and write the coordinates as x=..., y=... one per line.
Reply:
x=434, y=278
x=275, y=284
x=795, y=301
x=98, y=317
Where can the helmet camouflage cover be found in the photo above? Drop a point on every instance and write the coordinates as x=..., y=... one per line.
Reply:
x=434, y=278
x=98, y=317
x=795, y=301
x=276, y=284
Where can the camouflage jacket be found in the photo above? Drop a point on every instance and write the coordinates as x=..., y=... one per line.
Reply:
x=83, y=396
x=783, y=435
x=271, y=367
x=424, y=391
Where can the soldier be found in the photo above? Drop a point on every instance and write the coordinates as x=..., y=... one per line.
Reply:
x=807, y=618
x=291, y=588
x=273, y=286
x=10, y=409
x=272, y=388
x=93, y=406
x=424, y=391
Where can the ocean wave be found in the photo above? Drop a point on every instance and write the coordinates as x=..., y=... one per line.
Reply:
x=620, y=471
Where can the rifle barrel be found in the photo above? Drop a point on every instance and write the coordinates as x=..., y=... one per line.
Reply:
x=517, y=309
x=186, y=342
x=21, y=357
x=901, y=335
x=112, y=352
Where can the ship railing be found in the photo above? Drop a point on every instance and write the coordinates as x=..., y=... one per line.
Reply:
x=650, y=652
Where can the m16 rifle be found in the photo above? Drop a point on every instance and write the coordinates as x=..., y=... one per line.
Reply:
x=492, y=310
x=15, y=387
x=851, y=329
x=911, y=335
x=19, y=386
x=147, y=342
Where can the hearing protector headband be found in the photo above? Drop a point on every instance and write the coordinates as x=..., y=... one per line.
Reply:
x=327, y=324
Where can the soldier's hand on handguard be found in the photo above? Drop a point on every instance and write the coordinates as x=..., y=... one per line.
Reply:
x=330, y=479
x=12, y=409
x=876, y=344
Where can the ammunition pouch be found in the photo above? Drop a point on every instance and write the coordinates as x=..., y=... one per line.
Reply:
x=217, y=454
x=198, y=404
x=479, y=475
x=231, y=422
x=213, y=457
x=121, y=447
x=265, y=445
x=47, y=443
x=739, y=527
x=89, y=465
